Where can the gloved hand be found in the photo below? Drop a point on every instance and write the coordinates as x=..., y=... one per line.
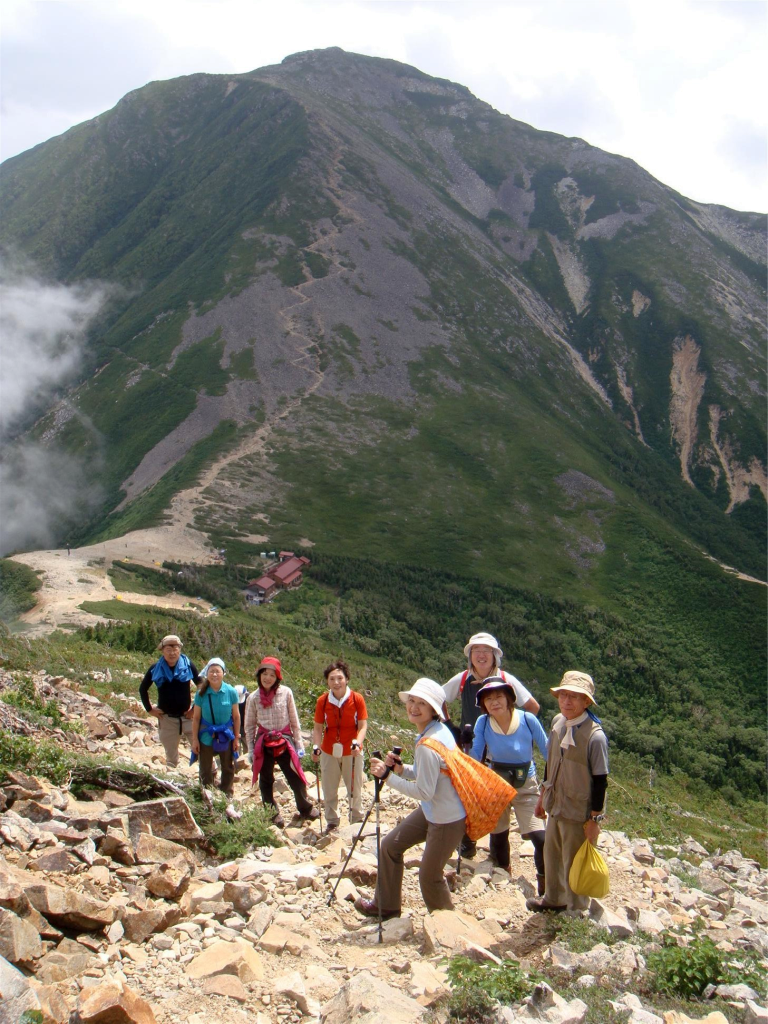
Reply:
x=301, y=752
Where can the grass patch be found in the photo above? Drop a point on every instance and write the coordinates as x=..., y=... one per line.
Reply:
x=139, y=579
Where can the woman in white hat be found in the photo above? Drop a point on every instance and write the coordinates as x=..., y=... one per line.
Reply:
x=216, y=725
x=439, y=819
x=504, y=738
x=483, y=656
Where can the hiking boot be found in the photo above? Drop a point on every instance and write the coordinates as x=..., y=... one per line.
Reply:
x=278, y=821
x=538, y=906
x=311, y=815
x=468, y=848
x=331, y=826
x=368, y=908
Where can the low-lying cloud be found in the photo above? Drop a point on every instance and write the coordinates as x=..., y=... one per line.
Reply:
x=43, y=328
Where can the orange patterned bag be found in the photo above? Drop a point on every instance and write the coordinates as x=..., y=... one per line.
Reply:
x=485, y=794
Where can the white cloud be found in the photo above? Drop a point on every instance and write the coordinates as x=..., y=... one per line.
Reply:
x=678, y=86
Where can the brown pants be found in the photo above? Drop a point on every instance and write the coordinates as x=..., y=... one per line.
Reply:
x=227, y=763
x=562, y=842
x=442, y=841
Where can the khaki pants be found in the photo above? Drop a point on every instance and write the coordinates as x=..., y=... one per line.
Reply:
x=170, y=730
x=227, y=763
x=561, y=844
x=442, y=841
x=522, y=805
x=332, y=771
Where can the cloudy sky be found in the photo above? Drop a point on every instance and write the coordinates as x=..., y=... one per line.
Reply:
x=675, y=85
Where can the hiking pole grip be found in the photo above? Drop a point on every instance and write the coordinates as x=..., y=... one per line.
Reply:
x=397, y=751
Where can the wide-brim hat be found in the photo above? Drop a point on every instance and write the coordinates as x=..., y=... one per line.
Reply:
x=488, y=641
x=170, y=639
x=577, y=682
x=274, y=664
x=214, y=661
x=428, y=690
x=491, y=684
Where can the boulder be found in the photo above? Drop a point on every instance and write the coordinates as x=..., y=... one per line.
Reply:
x=617, y=923
x=225, y=985
x=170, y=880
x=739, y=992
x=140, y=924
x=67, y=960
x=276, y=939
x=754, y=1014
x=19, y=940
x=18, y=832
x=68, y=908
x=54, y=861
x=243, y=896
x=239, y=958
x=169, y=818
x=547, y=1005
x=366, y=999
x=678, y=1017
x=453, y=931
x=211, y=892
x=35, y=810
x=149, y=849
x=113, y=1002
x=118, y=846
x=291, y=986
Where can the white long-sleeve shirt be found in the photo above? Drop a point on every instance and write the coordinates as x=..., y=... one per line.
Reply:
x=425, y=782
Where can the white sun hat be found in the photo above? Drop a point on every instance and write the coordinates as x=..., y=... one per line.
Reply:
x=488, y=641
x=428, y=690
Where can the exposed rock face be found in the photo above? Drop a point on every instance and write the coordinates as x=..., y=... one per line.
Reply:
x=113, y=1003
x=687, y=384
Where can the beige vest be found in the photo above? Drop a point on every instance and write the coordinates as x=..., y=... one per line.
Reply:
x=568, y=789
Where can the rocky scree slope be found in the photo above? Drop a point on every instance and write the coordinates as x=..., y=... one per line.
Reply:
x=111, y=910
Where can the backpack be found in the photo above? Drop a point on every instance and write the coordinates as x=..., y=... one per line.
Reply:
x=485, y=794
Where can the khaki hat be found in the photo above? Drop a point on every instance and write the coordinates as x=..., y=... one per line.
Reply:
x=428, y=690
x=170, y=639
x=577, y=682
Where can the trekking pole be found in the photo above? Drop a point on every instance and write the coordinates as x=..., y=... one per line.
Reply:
x=316, y=753
x=355, y=841
x=355, y=746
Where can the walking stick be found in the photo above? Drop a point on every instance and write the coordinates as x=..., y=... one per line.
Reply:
x=316, y=752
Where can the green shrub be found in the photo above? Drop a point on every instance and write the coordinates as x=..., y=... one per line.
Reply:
x=475, y=987
x=687, y=970
x=231, y=839
x=18, y=584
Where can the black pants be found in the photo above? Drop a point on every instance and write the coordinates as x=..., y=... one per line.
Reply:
x=500, y=849
x=267, y=781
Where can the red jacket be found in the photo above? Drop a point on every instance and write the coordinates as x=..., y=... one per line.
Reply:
x=341, y=723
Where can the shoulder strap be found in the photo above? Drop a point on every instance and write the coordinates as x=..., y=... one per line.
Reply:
x=210, y=705
x=464, y=677
x=324, y=709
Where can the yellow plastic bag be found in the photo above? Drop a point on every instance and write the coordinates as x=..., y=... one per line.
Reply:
x=589, y=873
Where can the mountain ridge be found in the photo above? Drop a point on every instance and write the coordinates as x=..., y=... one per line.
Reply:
x=310, y=241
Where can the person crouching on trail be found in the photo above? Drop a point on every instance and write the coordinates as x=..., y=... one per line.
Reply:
x=341, y=722
x=573, y=791
x=273, y=734
x=483, y=656
x=172, y=674
x=439, y=819
x=504, y=738
x=216, y=725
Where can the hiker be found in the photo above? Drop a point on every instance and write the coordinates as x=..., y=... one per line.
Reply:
x=172, y=674
x=504, y=738
x=341, y=722
x=573, y=790
x=483, y=656
x=216, y=725
x=439, y=819
x=273, y=734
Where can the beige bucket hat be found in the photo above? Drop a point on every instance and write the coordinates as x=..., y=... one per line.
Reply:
x=577, y=682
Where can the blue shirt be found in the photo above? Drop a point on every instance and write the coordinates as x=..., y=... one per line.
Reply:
x=514, y=749
x=222, y=701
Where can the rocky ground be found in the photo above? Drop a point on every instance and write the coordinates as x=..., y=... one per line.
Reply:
x=110, y=910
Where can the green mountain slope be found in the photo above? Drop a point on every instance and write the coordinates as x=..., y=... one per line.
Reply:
x=444, y=337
